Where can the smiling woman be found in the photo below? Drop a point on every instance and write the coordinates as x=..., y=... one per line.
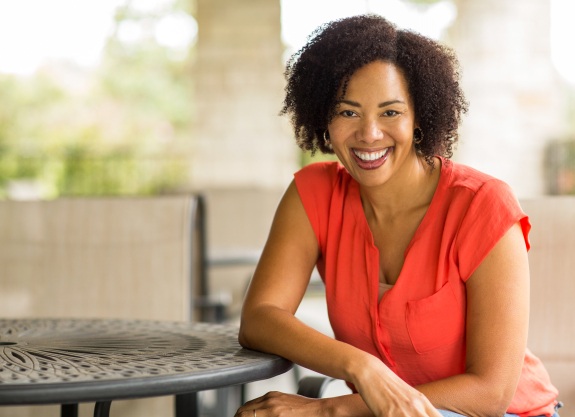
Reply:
x=374, y=122
x=424, y=260
x=312, y=106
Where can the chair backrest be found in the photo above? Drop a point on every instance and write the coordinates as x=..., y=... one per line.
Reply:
x=102, y=257
x=141, y=258
x=552, y=265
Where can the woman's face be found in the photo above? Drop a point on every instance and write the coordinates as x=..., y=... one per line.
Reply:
x=372, y=131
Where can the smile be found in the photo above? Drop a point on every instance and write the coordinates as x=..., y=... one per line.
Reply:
x=369, y=160
x=370, y=156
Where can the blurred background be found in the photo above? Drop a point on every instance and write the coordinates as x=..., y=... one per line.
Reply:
x=157, y=97
x=153, y=97
x=124, y=97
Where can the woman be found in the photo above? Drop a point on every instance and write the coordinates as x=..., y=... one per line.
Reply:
x=424, y=261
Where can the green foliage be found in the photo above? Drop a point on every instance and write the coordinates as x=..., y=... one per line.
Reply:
x=122, y=129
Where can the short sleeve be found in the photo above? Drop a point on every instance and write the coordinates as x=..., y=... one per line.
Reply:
x=490, y=214
x=315, y=184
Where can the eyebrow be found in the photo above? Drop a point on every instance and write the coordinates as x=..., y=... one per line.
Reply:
x=384, y=104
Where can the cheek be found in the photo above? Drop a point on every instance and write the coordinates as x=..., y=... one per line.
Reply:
x=407, y=133
x=402, y=131
x=399, y=130
x=340, y=130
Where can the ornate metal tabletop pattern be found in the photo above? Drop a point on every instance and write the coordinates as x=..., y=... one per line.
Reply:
x=63, y=352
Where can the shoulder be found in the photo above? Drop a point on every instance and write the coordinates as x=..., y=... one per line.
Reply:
x=323, y=189
x=321, y=180
x=470, y=183
x=321, y=171
x=483, y=208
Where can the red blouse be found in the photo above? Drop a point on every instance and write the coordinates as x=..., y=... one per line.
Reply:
x=418, y=327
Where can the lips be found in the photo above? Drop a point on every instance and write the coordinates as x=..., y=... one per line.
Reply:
x=371, y=159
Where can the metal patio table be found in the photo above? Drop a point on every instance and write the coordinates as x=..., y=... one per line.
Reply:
x=71, y=361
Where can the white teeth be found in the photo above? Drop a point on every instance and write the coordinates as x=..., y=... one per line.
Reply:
x=370, y=156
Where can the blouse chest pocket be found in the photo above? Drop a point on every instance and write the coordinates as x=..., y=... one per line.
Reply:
x=436, y=321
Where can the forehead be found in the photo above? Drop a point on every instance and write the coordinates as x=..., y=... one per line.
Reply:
x=378, y=78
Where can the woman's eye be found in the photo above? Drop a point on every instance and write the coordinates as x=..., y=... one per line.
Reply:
x=347, y=113
x=391, y=113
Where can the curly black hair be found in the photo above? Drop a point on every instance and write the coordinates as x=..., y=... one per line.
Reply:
x=337, y=49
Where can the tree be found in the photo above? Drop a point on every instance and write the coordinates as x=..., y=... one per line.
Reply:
x=125, y=130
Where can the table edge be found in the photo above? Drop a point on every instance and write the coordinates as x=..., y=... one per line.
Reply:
x=122, y=389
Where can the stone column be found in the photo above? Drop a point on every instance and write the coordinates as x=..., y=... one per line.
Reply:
x=240, y=140
x=514, y=92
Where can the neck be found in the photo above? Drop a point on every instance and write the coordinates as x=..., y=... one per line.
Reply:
x=411, y=189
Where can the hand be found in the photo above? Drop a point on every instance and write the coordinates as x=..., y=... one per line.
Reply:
x=408, y=403
x=388, y=395
x=275, y=404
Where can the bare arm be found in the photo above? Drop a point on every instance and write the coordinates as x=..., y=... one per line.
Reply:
x=268, y=324
x=497, y=322
x=497, y=319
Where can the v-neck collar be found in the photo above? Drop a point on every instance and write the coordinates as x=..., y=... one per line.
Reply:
x=357, y=209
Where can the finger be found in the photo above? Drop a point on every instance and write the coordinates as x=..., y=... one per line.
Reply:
x=245, y=412
x=257, y=405
x=251, y=412
x=260, y=402
x=431, y=411
x=254, y=403
x=436, y=413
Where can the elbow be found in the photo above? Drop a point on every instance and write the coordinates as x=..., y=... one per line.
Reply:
x=502, y=401
x=487, y=406
x=497, y=408
x=490, y=397
x=243, y=338
x=248, y=332
x=260, y=328
x=502, y=397
x=495, y=402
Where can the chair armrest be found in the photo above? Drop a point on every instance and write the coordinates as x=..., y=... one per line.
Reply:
x=313, y=386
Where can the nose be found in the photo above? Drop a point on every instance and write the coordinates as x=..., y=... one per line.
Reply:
x=370, y=131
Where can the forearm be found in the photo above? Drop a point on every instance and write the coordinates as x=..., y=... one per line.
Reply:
x=351, y=405
x=465, y=394
x=273, y=330
x=496, y=334
x=266, y=328
x=468, y=394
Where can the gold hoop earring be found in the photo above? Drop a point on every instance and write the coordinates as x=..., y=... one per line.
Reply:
x=417, y=136
x=326, y=140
